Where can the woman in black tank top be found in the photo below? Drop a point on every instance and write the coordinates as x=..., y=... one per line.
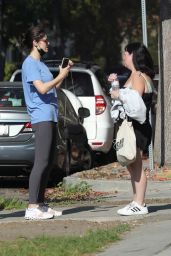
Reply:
x=137, y=58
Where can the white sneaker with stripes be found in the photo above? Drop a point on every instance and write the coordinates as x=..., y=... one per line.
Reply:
x=133, y=209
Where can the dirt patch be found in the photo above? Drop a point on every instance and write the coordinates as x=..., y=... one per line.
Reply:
x=31, y=229
x=114, y=171
x=109, y=172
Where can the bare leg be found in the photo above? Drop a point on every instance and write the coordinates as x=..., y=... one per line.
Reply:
x=138, y=179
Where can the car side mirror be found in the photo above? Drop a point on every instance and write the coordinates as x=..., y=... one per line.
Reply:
x=83, y=112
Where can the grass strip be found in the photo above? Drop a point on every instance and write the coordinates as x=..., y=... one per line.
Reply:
x=11, y=203
x=93, y=241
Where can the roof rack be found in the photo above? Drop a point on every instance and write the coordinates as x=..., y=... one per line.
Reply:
x=84, y=64
x=54, y=62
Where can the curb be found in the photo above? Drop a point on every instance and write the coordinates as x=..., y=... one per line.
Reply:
x=155, y=189
x=100, y=185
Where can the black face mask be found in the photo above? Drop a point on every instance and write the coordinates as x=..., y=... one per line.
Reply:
x=41, y=52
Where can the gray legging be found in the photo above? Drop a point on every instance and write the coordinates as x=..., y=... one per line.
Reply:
x=45, y=149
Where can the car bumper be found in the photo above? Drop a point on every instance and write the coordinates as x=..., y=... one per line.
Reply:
x=17, y=155
x=103, y=143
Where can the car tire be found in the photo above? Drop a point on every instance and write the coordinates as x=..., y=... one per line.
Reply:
x=88, y=158
x=61, y=168
x=67, y=161
x=102, y=158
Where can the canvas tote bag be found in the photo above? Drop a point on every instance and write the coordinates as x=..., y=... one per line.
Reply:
x=125, y=144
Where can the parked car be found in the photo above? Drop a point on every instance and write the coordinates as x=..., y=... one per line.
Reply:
x=87, y=82
x=17, y=138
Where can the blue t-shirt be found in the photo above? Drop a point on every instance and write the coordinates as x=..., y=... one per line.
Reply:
x=41, y=107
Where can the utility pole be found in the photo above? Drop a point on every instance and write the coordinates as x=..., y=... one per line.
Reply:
x=144, y=22
x=145, y=42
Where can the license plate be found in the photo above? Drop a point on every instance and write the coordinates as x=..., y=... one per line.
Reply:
x=4, y=130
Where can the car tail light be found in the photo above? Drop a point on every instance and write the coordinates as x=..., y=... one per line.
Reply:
x=100, y=104
x=97, y=143
x=5, y=98
x=27, y=127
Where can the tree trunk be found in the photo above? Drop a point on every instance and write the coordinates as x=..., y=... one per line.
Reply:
x=162, y=146
x=166, y=27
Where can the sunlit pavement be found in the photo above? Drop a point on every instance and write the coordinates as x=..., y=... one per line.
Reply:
x=152, y=237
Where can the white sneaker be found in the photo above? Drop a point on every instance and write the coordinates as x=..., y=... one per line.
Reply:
x=133, y=209
x=37, y=214
x=125, y=208
x=46, y=208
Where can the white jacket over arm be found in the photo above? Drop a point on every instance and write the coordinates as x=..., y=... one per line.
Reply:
x=132, y=104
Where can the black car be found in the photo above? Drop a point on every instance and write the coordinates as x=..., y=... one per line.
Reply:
x=17, y=137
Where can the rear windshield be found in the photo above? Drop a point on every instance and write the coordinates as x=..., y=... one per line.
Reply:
x=79, y=83
x=11, y=97
x=14, y=97
x=65, y=108
x=103, y=80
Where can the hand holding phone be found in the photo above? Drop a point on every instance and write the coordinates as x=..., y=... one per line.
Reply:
x=65, y=62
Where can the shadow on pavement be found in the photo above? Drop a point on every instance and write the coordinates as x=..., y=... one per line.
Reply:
x=156, y=208
x=87, y=208
x=12, y=214
x=104, y=208
x=78, y=209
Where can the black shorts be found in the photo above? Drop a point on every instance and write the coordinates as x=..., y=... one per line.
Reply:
x=143, y=133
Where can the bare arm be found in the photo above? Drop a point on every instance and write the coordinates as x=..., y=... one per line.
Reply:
x=138, y=83
x=45, y=87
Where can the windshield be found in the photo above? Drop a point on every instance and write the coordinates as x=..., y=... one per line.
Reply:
x=79, y=83
x=11, y=97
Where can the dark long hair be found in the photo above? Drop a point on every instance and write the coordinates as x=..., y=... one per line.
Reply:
x=33, y=33
x=142, y=59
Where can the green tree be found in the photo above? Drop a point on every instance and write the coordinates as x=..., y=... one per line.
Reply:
x=2, y=53
x=14, y=19
x=97, y=28
x=94, y=29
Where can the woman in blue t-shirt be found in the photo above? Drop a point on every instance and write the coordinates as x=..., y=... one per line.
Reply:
x=41, y=100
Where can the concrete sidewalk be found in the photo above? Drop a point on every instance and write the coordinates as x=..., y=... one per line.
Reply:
x=146, y=240
x=139, y=241
x=155, y=189
x=119, y=191
x=151, y=238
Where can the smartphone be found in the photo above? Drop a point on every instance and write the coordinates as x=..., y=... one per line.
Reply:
x=65, y=62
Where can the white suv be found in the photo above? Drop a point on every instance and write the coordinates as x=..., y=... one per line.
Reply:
x=88, y=84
